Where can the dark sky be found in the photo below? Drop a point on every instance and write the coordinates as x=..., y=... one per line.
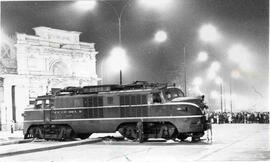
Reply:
x=238, y=21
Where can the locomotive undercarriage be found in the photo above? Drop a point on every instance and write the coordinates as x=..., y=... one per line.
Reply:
x=50, y=132
x=133, y=131
x=143, y=131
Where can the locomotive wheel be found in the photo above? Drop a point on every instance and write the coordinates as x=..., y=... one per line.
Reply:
x=84, y=136
x=196, y=136
x=182, y=136
x=128, y=131
x=167, y=131
x=35, y=132
x=195, y=139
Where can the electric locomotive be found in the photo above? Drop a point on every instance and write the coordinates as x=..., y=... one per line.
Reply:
x=140, y=110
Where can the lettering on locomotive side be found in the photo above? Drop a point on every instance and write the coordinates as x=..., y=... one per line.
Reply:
x=77, y=114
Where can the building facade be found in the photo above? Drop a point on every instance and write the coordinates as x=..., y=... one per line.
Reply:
x=35, y=64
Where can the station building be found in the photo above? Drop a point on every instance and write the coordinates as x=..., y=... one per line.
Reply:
x=33, y=65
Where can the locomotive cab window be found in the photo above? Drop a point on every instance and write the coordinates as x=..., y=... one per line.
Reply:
x=43, y=104
x=39, y=104
x=172, y=93
x=46, y=103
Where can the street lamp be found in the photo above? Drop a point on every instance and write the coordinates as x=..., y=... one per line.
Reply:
x=197, y=83
x=213, y=69
x=240, y=55
x=91, y=4
x=160, y=36
x=208, y=33
x=86, y=5
x=156, y=4
x=116, y=52
x=118, y=60
x=203, y=56
x=219, y=81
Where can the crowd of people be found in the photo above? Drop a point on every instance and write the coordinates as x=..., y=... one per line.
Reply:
x=239, y=117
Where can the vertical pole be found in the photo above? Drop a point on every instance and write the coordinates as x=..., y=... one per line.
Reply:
x=185, y=73
x=119, y=31
x=13, y=103
x=101, y=71
x=120, y=43
x=221, y=104
x=224, y=99
x=120, y=77
x=231, y=96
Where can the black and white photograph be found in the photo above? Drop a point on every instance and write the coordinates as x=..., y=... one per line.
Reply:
x=134, y=80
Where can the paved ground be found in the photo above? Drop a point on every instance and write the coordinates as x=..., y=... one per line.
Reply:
x=7, y=135
x=235, y=142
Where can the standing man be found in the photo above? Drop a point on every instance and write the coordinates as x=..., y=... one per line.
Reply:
x=140, y=131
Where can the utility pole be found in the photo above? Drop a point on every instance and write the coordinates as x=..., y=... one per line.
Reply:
x=231, y=96
x=221, y=104
x=224, y=98
x=185, y=72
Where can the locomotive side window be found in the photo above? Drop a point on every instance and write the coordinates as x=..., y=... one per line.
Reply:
x=127, y=101
x=93, y=101
x=156, y=98
x=144, y=99
x=138, y=99
x=122, y=100
x=100, y=101
x=110, y=100
x=133, y=99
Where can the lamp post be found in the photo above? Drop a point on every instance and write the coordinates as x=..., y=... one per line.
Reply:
x=231, y=95
x=219, y=82
x=119, y=18
x=185, y=72
x=221, y=98
x=90, y=5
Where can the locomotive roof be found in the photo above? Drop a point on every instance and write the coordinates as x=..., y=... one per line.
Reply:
x=138, y=86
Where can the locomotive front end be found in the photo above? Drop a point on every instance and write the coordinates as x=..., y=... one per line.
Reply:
x=192, y=111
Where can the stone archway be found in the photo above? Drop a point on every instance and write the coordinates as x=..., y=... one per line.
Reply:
x=59, y=68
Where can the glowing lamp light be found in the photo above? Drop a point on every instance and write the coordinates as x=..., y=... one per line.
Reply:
x=214, y=67
x=118, y=60
x=160, y=36
x=86, y=5
x=214, y=94
x=237, y=52
x=235, y=74
x=3, y=37
x=156, y=4
x=218, y=80
x=208, y=33
x=197, y=81
x=203, y=56
x=240, y=55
